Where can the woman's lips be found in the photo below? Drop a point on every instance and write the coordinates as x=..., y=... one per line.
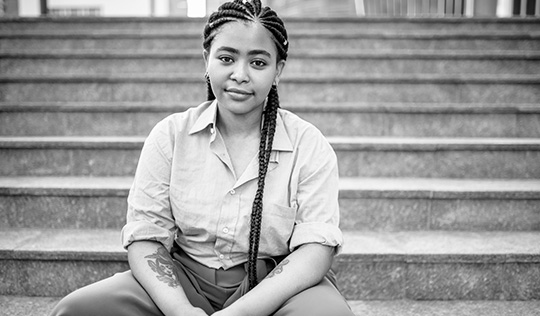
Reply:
x=238, y=91
x=238, y=94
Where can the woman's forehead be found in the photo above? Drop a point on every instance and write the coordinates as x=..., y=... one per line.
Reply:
x=244, y=36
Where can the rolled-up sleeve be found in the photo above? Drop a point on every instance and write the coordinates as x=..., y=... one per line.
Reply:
x=149, y=215
x=317, y=219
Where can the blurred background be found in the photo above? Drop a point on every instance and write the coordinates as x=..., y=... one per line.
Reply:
x=297, y=8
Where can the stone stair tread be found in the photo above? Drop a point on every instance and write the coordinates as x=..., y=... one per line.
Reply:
x=299, y=53
x=92, y=32
x=350, y=187
x=447, y=246
x=41, y=306
x=440, y=188
x=65, y=185
x=395, y=107
x=339, y=142
x=413, y=246
x=307, y=78
x=444, y=308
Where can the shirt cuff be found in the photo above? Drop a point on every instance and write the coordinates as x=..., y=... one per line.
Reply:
x=141, y=230
x=320, y=233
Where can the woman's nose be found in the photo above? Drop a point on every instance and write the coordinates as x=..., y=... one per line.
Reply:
x=240, y=73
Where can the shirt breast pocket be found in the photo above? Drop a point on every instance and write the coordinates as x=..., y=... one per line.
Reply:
x=277, y=227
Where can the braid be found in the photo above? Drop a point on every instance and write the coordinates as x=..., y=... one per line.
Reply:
x=265, y=149
x=253, y=11
x=209, y=92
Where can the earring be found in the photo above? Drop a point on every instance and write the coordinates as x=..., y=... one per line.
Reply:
x=206, y=76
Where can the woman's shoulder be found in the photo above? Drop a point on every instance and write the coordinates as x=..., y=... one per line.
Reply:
x=297, y=127
x=182, y=121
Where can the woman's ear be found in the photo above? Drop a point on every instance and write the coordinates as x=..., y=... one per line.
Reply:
x=279, y=70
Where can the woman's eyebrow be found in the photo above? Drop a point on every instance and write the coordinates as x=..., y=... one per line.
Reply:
x=251, y=52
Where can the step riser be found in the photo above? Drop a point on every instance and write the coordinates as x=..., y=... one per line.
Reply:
x=42, y=66
x=77, y=212
x=440, y=164
x=304, y=92
x=461, y=214
x=358, y=279
x=364, y=163
x=291, y=25
x=332, y=44
x=365, y=214
x=331, y=124
x=433, y=281
x=53, y=278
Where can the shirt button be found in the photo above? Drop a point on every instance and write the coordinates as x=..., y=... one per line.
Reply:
x=226, y=230
x=232, y=192
x=221, y=257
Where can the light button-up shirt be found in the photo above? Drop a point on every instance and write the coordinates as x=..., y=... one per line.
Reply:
x=185, y=190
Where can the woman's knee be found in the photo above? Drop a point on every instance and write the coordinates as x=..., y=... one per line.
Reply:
x=77, y=303
x=118, y=295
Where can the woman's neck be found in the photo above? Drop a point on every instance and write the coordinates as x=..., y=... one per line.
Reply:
x=239, y=126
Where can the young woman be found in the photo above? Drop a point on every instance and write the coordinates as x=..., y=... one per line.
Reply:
x=234, y=206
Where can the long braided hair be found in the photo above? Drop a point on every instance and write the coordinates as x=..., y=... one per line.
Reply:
x=252, y=11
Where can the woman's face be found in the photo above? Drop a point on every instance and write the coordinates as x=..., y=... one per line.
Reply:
x=242, y=65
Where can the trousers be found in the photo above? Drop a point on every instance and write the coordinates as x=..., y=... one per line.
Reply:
x=122, y=295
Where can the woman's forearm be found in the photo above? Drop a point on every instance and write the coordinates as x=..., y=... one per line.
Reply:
x=153, y=267
x=303, y=268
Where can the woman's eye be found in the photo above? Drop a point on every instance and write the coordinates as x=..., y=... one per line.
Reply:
x=259, y=63
x=226, y=59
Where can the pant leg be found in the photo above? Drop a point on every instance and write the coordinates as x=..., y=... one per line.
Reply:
x=322, y=299
x=119, y=295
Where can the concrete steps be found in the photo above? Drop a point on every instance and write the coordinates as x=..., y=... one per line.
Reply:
x=369, y=119
x=301, y=62
x=499, y=89
x=435, y=123
x=357, y=156
x=40, y=306
x=367, y=204
x=293, y=24
x=137, y=41
x=416, y=265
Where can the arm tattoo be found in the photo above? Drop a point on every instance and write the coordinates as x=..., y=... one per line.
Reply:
x=278, y=269
x=162, y=265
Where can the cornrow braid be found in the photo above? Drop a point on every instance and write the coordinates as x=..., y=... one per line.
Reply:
x=253, y=11
x=209, y=92
x=239, y=10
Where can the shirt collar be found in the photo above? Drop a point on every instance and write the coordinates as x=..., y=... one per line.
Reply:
x=282, y=142
x=208, y=117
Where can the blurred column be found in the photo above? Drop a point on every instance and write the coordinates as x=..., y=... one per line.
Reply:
x=505, y=8
x=178, y=7
x=469, y=8
x=360, y=9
